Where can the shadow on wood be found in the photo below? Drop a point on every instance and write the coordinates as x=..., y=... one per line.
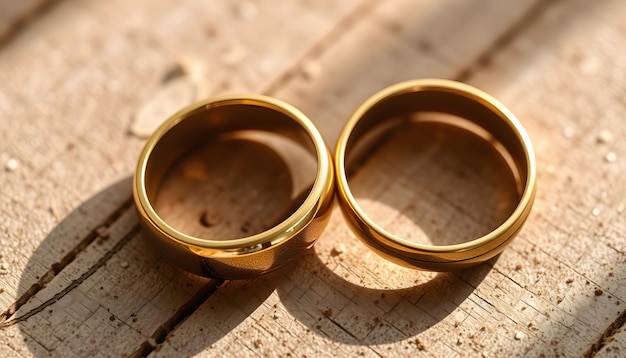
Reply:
x=112, y=292
x=93, y=300
x=358, y=315
x=417, y=182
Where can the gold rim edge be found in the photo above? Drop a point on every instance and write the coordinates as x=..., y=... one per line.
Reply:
x=504, y=231
x=296, y=222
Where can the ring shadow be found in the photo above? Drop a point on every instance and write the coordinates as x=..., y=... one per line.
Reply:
x=100, y=238
x=94, y=269
x=416, y=184
x=358, y=315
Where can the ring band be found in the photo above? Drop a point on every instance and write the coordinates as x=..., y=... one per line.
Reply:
x=454, y=98
x=248, y=256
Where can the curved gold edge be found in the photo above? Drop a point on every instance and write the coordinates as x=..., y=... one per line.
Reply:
x=312, y=210
x=430, y=257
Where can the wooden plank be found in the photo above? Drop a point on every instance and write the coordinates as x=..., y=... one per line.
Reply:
x=320, y=306
x=99, y=136
x=548, y=287
x=560, y=279
x=569, y=92
x=75, y=268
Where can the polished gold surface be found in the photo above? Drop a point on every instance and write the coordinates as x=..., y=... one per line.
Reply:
x=242, y=257
x=398, y=103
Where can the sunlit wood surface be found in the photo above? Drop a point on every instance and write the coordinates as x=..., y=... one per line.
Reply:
x=83, y=83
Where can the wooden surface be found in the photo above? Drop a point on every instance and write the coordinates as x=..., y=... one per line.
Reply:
x=82, y=83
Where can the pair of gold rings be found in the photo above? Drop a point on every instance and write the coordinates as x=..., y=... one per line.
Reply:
x=266, y=251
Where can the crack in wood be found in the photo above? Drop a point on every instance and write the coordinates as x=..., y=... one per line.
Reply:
x=342, y=328
x=501, y=42
x=161, y=334
x=607, y=335
x=101, y=262
x=58, y=266
x=485, y=300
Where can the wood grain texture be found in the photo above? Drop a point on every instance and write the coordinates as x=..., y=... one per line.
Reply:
x=79, y=280
x=571, y=99
x=73, y=142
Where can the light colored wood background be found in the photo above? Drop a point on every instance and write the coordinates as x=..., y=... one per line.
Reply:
x=83, y=82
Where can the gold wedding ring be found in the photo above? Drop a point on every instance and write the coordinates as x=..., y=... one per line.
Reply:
x=242, y=257
x=453, y=98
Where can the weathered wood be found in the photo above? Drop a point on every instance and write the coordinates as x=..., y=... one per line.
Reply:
x=517, y=303
x=100, y=82
x=311, y=295
x=614, y=342
x=568, y=88
x=95, y=288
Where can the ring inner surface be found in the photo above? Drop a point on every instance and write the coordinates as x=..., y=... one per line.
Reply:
x=230, y=171
x=429, y=154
